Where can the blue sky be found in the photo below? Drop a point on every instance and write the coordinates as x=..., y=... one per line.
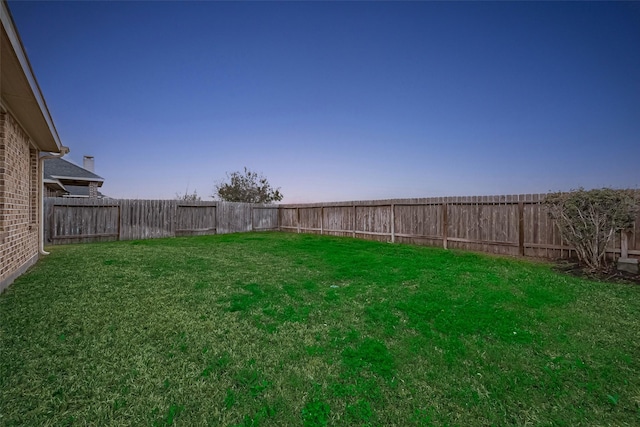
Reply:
x=343, y=101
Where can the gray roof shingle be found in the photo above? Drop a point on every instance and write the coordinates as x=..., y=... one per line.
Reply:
x=61, y=169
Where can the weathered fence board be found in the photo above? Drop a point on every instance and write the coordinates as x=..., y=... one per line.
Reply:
x=78, y=221
x=265, y=217
x=287, y=219
x=419, y=223
x=234, y=217
x=311, y=217
x=195, y=219
x=147, y=219
x=373, y=222
x=339, y=220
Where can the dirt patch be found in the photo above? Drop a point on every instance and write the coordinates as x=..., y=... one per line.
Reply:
x=612, y=275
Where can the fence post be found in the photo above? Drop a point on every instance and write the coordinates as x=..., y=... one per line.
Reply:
x=174, y=221
x=321, y=220
x=393, y=223
x=298, y=217
x=218, y=205
x=119, y=219
x=624, y=245
x=521, y=228
x=354, y=221
x=445, y=224
x=279, y=218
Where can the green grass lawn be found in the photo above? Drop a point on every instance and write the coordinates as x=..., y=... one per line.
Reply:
x=285, y=329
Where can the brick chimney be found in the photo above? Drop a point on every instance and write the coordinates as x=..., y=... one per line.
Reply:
x=88, y=163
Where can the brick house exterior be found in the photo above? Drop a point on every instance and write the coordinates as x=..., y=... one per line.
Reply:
x=26, y=130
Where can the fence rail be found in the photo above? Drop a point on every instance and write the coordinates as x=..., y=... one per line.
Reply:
x=93, y=220
x=511, y=225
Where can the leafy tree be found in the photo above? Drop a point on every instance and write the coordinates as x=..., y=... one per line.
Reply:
x=248, y=187
x=186, y=197
x=588, y=220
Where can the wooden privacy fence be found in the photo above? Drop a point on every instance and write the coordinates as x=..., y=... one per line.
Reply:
x=510, y=225
x=92, y=220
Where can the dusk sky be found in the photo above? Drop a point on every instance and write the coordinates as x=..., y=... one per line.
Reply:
x=343, y=101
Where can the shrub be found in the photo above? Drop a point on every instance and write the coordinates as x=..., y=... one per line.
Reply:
x=588, y=220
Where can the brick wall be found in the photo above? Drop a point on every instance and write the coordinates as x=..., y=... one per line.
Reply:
x=19, y=201
x=93, y=190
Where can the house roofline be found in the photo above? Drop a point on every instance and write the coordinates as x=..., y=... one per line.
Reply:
x=54, y=182
x=77, y=178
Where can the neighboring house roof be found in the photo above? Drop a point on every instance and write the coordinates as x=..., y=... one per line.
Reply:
x=69, y=173
x=19, y=90
x=73, y=180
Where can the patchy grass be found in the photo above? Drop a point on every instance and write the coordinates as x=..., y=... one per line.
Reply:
x=284, y=329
